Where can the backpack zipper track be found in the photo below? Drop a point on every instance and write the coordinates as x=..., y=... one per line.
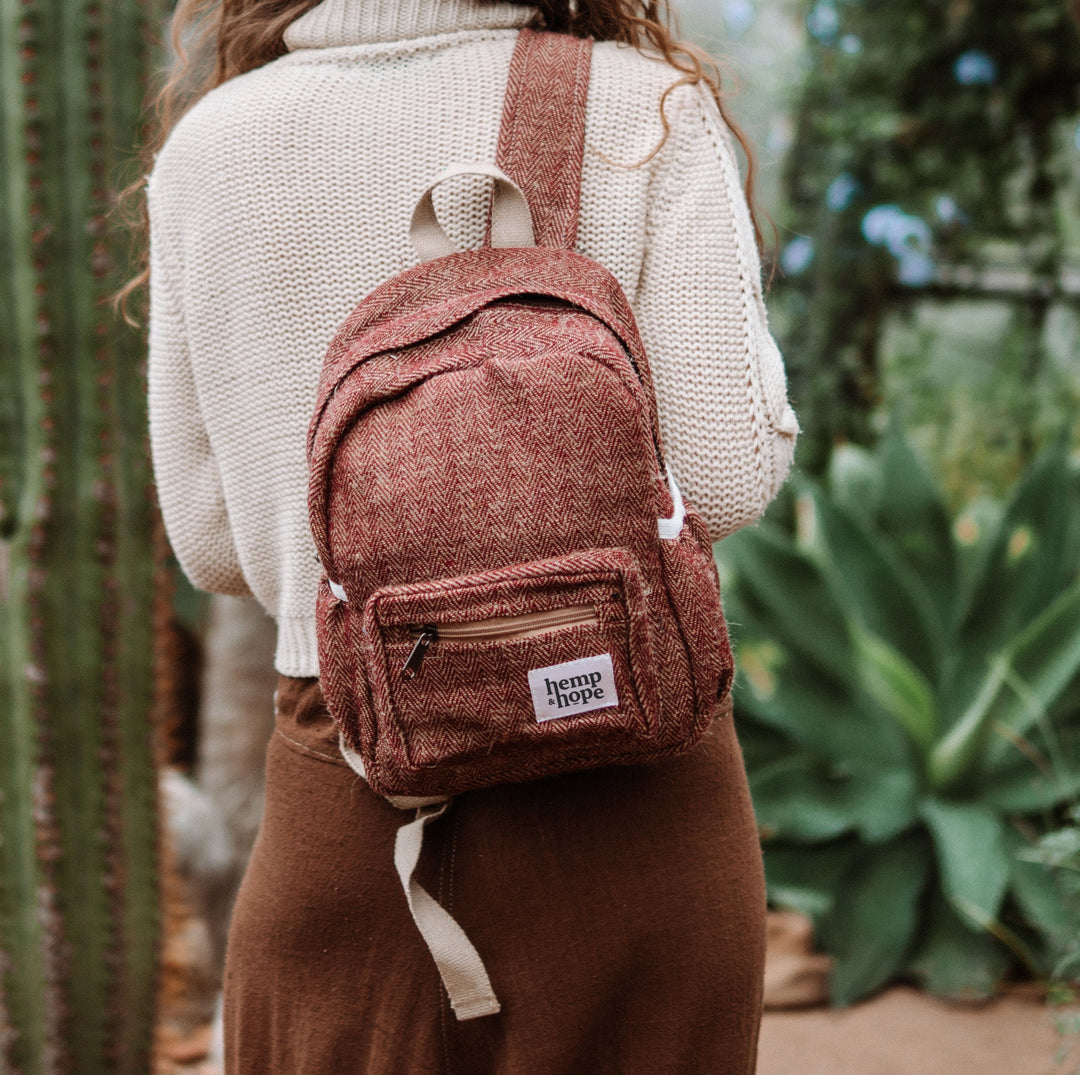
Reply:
x=498, y=628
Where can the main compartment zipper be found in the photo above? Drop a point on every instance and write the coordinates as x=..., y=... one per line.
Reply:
x=498, y=628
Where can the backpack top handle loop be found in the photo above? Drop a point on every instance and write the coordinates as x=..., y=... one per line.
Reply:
x=511, y=219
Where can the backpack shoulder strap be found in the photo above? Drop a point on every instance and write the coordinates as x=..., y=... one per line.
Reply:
x=542, y=137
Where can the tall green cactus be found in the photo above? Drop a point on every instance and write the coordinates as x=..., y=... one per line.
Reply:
x=79, y=895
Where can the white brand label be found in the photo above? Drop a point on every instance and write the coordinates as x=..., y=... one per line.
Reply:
x=562, y=690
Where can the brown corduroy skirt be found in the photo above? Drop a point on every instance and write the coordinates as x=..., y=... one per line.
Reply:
x=620, y=914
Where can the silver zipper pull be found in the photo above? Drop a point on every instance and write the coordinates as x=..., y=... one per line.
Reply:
x=412, y=666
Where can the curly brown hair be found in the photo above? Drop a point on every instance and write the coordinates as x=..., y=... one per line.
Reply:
x=216, y=40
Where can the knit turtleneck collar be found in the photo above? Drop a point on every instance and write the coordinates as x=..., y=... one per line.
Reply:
x=356, y=22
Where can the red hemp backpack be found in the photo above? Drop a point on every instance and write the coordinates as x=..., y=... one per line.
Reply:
x=513, y=585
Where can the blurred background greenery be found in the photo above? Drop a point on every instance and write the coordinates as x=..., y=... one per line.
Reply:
x=907, y=619
x=920, y=162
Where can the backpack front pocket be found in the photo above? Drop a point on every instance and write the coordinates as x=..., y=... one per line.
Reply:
x=510, y=674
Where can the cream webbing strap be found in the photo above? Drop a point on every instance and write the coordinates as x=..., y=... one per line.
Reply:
x=459, y=964
x=511, y=220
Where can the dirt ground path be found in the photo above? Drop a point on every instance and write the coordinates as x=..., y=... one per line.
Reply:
x=902, y=1032
x=899, y=1032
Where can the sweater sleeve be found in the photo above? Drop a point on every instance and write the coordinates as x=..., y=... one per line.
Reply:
x=729, y=433
x=185, y=470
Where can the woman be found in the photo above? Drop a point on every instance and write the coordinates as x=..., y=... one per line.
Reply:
x=620, y=912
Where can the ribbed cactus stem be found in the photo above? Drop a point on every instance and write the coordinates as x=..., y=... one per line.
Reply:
x=29, y=927
x=78, y=817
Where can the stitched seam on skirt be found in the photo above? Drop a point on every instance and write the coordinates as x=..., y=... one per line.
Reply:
x=444, y=1028
x=300, y=748
x=453, y=858
x=445, y=1018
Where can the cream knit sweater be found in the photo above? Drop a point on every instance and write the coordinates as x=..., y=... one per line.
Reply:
x=285, y=195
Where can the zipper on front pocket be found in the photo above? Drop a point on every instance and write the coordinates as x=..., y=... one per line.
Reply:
x=498, y=628
x=416, y=656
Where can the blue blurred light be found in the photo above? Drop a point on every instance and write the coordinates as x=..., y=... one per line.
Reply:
x=948, y=212
x=875, y=225
x=851, y=44
x=823, y=22
x=840, y=191
x=908, y=238
x=975, y=68
x=916, y=269
x=906, y=235
x=797, y=255
x=739, y=16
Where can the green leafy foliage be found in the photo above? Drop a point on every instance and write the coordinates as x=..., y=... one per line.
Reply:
x=909, y=699
x=928, y=136
x=1052, y=894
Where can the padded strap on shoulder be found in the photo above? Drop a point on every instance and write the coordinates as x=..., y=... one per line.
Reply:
x=542, y=137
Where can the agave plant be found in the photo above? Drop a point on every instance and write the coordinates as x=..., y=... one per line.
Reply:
x=909, y=700
x=1059, y=851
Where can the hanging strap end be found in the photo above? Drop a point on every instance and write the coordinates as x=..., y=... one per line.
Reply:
x=475, y=1007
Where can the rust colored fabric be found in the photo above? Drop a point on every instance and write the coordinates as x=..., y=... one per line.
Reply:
x=621, y=913
x=485, y=444
x=517, y=437
x=547, y=169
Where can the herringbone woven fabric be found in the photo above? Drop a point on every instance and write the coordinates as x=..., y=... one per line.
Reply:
x=548, y=170
x=485, y=449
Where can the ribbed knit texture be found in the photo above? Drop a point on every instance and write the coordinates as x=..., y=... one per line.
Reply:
x=336, y=23
x=285, y=195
